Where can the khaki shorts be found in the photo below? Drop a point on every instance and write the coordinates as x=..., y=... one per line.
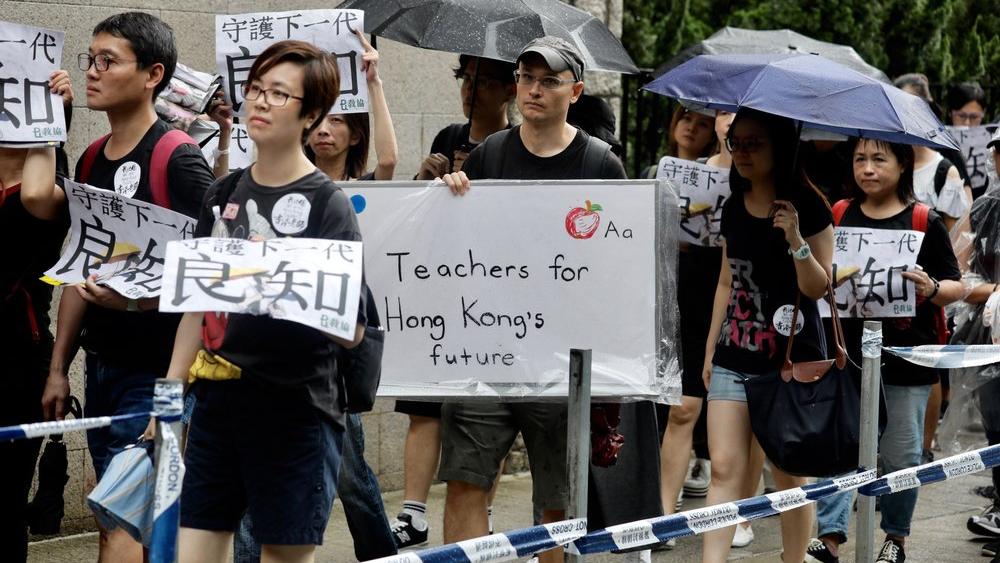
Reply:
x=476, y=436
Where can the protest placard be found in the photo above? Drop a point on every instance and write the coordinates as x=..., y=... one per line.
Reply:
x=240, y=38
x=703, y=190
x=972, y=141
x=30, y=114
x=315, y=282
x=868, y=266
x=120, y=240
x=484, y=295
x=241, y=149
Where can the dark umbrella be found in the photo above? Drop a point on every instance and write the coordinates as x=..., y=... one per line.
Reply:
x=736, y=40
x=494, y=29
x=809, y=89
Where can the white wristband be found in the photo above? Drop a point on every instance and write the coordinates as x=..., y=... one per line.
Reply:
x=216, y=153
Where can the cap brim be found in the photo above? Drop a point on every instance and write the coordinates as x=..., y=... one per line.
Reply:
x=552, y=58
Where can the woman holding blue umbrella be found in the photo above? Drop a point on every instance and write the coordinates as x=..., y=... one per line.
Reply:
x=778, y=246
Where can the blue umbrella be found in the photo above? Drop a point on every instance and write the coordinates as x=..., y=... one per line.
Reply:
x=814, y=91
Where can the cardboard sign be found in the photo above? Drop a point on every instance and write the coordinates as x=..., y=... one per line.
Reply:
x=241, y=148
x=30, y=114
x=703, y=190
x=972, y=141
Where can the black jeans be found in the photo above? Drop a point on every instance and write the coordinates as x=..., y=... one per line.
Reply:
x=989, y=407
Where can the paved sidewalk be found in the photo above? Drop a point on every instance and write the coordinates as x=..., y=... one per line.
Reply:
x=939, y=533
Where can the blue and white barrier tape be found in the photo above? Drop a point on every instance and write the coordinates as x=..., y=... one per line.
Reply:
x=934, y=472
x=167, y=499
x=39, y=429
x=948, y=356
x=507, y=546
x=652, y=531
x=168, y=400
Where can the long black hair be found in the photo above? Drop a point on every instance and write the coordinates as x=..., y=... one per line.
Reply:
x=789, y=176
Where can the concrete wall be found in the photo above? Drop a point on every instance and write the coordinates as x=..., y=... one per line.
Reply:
x=422, y=96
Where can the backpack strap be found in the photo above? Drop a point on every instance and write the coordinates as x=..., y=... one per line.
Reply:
x=941, y=174
x=162, y=151
x=89, y=156
x=593, y=157
x=920, y=213
x=319, y=203
x=839, y=209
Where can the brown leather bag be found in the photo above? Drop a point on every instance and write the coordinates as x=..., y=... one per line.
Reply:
x=807, y=372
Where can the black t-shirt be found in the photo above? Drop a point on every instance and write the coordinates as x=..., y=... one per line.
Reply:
x=449, y=139
x=518, y=163
x=32, y=246
x=143, y=340
x=763, y=280
x=271, y=352
x=938, y=260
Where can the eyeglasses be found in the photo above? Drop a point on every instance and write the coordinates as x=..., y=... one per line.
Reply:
x=966, y=117
x=749, y=144
x=101, y=62
x=547, y=82
x=274, y=98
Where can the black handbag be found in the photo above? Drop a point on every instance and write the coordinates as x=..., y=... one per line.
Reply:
x=806, y=417
x=360, y=368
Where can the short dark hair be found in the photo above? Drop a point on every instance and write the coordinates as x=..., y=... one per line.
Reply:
x=321, y=83
x=505, y=70
x=965, y=92
x=789, y=176
x=903, y=153
x=151, y=40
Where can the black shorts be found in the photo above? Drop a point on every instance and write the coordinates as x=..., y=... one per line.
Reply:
x=698, y=276
x=419, y=408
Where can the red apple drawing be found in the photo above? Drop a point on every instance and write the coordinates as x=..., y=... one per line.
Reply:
x=582, y=222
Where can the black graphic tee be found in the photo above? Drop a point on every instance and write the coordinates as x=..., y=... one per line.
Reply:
x=272, y=352
x=764, y=281
x=937, y=258
x=143, y=340
x=521, y=164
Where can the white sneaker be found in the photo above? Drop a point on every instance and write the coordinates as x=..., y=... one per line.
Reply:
x=743, y=536
x=698, y=479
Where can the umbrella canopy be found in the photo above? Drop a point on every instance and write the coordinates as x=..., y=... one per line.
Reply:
x=815, y=91
x=495, y=29
x=736, y=40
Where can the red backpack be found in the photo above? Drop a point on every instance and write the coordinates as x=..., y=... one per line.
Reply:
x=919, y=223
x=162, y=151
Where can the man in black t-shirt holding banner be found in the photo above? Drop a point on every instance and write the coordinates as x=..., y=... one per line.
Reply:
x=545, y=147
x=128, y=343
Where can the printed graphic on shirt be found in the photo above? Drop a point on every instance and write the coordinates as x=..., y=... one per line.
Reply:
x=290, y=214
x=127, y=178
x=747, y=326
x=258, y=226
x=783, y=320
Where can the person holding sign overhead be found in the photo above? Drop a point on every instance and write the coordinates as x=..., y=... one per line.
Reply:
x=130, y=60
x=266, y=433
x=884, y=199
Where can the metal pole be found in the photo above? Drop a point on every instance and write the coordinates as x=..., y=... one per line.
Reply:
x=871, y=385
x=578, y=436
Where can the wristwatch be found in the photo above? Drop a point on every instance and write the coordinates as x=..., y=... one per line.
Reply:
x=802, y=253
x=132, y=306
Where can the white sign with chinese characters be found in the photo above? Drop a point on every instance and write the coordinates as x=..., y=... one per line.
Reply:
x=315, y=282
x=241, y=148
x=972, y=141
x=240, y=38
x=703, y=190
x=29, y=112
x=867, y=266
x=118, y=239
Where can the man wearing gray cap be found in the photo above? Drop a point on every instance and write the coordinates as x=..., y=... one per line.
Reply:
x=477, y=436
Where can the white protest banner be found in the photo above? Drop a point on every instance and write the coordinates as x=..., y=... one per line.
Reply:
x=240, y=38
x=29, y=112
x=972, y=141
x=121, y=240
x=868, y=266
x=703, y=189
x=241, y=149
x=484, y=295
x=315, y=282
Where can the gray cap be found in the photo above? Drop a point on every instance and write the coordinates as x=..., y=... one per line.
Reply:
x=558, y=53
x=994, y=141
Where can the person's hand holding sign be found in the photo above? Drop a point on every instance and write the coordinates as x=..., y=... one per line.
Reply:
x=59, y=83
x=457, y=182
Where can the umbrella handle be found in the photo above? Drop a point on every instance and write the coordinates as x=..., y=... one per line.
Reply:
x=798, y=142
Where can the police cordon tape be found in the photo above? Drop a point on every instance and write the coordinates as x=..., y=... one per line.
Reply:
x=948, y=356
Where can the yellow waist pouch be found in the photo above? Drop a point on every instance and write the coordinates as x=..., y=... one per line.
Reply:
x=213, y=368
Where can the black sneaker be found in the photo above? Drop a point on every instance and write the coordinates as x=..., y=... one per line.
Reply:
x=990, y=549
x=985, y=491
x=818, y=552
x=986, y=524
x=891, y=552
x=406, y=534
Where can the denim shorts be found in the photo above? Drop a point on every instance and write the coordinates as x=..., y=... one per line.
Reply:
x=110, y=391
x=264, y=452
x=727, y=385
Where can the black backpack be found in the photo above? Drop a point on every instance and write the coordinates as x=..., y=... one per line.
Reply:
x=495, y=151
